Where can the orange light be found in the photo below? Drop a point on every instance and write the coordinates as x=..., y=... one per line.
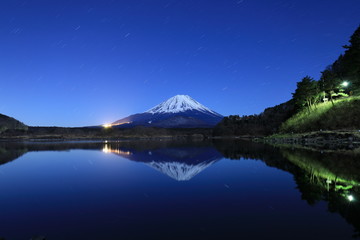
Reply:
x=108, y=149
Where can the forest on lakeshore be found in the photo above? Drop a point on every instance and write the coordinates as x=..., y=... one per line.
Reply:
x=329, y=103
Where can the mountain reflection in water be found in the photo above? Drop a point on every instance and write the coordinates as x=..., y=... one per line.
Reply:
x=176, y=161
x=321, y=176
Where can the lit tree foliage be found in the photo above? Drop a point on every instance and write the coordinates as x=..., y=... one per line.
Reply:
x=306, y=93
x=329, y=82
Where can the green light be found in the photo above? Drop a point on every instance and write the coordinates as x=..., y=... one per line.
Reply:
x=345, y=84
x=350, y=198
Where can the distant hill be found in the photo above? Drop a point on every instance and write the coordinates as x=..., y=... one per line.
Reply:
x=9, y=123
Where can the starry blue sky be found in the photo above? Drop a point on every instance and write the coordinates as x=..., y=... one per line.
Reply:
x=80, y=63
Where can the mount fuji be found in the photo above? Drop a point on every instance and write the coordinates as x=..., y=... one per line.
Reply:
x=180, y=111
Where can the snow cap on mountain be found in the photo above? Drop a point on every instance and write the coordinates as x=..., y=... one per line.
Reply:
x=180, y=111
x=180, y=103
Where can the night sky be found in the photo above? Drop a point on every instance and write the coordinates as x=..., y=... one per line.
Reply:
x=80, y=63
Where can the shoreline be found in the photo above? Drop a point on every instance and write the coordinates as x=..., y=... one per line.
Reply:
x=340, y=139
x=349, y=139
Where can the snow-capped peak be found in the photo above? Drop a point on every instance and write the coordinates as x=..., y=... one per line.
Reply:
x=180, y=103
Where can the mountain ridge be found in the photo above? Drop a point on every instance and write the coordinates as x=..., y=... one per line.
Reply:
x=180, y=103
x=180, y=111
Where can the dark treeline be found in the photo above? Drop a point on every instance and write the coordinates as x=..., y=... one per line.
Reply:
x=340, y=79
x=265, y=123
x=58, y=133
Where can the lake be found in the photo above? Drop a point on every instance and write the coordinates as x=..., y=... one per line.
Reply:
x=177, y=190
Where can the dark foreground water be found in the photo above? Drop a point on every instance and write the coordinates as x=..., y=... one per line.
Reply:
x=176, y=190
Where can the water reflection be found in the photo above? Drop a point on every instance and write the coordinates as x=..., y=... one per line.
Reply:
x=331, y=176
x=177, y=160
x=320, y=176
x=108, y=149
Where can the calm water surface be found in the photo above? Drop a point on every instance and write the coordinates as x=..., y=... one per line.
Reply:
x=174, y=190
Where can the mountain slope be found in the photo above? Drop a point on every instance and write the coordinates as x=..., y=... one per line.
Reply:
x=343, y=114
x=10, y=123
x=179, y=111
